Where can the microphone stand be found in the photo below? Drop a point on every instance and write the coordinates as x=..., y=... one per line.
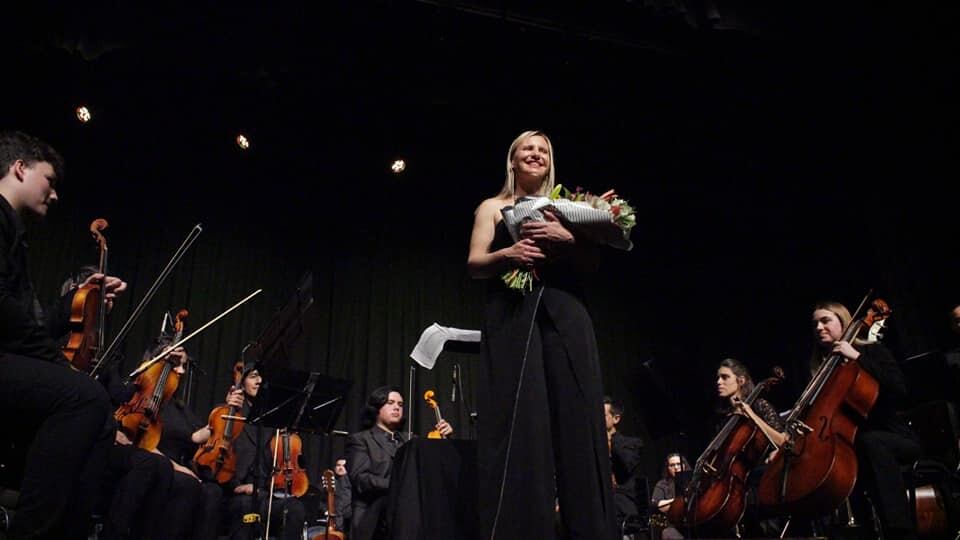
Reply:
x=458, y=377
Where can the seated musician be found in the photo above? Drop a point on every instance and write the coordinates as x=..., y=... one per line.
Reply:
x=734, y=385
x=196, y=501
x=624, y=459
x=248, y=492
x=63, y=416
x=883, y=442
x=663, y=494
x=370, y=459
x=343, y=497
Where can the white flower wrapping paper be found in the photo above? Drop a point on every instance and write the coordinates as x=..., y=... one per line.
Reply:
x=596, y=224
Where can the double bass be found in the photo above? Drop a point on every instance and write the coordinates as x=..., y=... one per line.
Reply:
x=715, y=499
x=216, y=459
x=816, y=469
x=288, y=475
x=139, y=417
x=88, y=312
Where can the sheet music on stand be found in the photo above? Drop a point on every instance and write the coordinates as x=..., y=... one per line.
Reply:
x=276, y=341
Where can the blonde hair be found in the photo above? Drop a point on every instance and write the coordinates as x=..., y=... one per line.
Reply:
x=843, y=314
x=509, y=184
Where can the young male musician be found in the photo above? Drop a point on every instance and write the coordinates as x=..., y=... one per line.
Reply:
x=624, y=460
x=64, y=414
x=248, y=491
x=370, y=460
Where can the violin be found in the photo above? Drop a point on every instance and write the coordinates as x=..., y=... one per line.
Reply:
x=715, y=498
x=428, y=397
x=287, y=473
x=330, y=485
x=88, y=312
x=816, y=469
x=216, y=459
x=139, y=417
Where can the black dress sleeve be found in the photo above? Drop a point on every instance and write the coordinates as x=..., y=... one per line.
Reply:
x=765, y=410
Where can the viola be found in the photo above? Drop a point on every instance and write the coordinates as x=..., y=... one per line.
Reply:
x=715, y=498
x=216, y=459
x=139, y=417
x=816, y=469
x=287, y=473
x=88, y=312
x=329, y=484
x=428, y=397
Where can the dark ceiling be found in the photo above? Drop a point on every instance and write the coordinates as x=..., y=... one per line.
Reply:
x=771, y=149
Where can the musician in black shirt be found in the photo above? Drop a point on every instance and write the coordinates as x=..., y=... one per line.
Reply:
x=883, y=442
x=63, y=413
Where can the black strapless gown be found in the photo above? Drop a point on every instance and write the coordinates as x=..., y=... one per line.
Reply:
x=558, y=448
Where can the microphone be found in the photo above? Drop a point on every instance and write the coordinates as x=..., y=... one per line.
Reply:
x=453, y=394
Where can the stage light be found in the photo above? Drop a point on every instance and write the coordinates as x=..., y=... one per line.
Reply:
x=83, y=114
x=243, y=142
x=398, y=166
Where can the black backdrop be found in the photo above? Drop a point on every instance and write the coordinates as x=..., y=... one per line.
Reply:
x=790, y=157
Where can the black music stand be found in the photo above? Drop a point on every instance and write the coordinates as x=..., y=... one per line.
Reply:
x=274, y=343
x=299, y=400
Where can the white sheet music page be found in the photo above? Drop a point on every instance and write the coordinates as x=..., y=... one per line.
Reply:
x=431, y=342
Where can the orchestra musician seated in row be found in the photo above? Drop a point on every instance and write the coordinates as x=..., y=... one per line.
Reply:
x=64, y=414
x=370, y=460
x=663, y=494
x=194, y=504
x=884, y=441
x=249, y=490
x=138, y=484
x=342, y=497
x=625, y=458
x=734, y=386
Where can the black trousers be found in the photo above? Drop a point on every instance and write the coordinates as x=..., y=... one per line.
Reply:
x=138, y=486
x=239, y=505
x=66, y=415
x=879, y=456
x=206, y=517
x=182, y=510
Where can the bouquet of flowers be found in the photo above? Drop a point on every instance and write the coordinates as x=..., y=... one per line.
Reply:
x=606, y=220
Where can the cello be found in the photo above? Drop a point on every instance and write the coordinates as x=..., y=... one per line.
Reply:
x=287, y=473
x=88, y=312
x=139, y=417
x=215, y=459
x=715, y=499
x=816, y=469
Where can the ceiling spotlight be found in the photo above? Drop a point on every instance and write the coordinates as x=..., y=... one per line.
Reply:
x=398, y=166
x=83, y=114
x=243, y=142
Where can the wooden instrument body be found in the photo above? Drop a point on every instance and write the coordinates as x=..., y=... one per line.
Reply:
x=329, y=484
x=288, y=472
x=139, y=417
x=822, y=465
x=716, y=500
x=216, y=459
x=82, y=343
x=88, y=312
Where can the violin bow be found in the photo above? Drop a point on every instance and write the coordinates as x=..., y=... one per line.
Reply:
x=108, y=354
x=143, y=367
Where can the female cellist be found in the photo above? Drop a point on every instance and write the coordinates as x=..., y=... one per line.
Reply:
x=883, y=441
x=716, y=498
